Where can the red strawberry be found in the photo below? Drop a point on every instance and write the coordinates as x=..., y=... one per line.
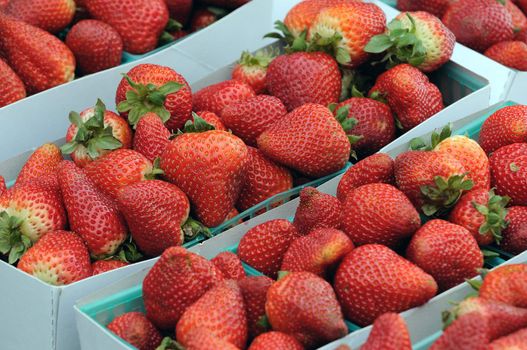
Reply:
x=509, y=53
x=28, y=212
x=39, y=58
x=506, y=126
x=435, y=7
x=409, y=93
x=42, y=166
x=3, y=3
x=483, y=214
x=137, y=330
x=377, y=168
x=94, y=133
x=230, y=265
x=379, y=213
x=397, y=284
x=12, y=88
x=319, y=252
x=305, y=306
x=179, y=10
x=176, y=281
x=469, y=332
x=308, y=139
x=95, y=44
x=157, y=89
x=102, y=266
x=521, y=35
x=506, y=284
x=317, y=210
x=151, y=136
x=212, y=119
x=198, y=339
x=263, y=247
x=515, y=235
x=252, y=69
x=254, y=291
x=139, y=23
x=59, y=258
x=3, y=187
x=249, y=118
x=50, y=15
x=91, y=215
x=204, y=17
x=508, y=167
x=389, y=332
x=215, y=97
x=276, y=341
x=220, y=311
x=304, y=77
x=516, y=340
x=479, y=24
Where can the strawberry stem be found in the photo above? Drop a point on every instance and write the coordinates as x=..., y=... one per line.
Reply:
x=444, y=194
x=192, y=228
x=495, y=213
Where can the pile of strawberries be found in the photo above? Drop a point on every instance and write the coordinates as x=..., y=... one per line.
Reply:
x=95, y=32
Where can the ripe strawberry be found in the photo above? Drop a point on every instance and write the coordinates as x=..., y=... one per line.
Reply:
x=254, y=291
x=151, y=136
x=509, y=53
x=398, y=284
x=204, y=17
x=95, y=44
x=515, y=235
x=308, y=139
x=304, y=77
x=91, y=214
x=377, y=168
x=317, y=210
x=39, y=58
x=230, y=265
x=12, y=88
x=276, y=341
x=375, y=126
x=41, y=167
x=137, y=330
x=263, y=247
x=198, y=339
x=506, y=284
x=177, y=280
x=59, y=258
x=319, y=252
x=252, y=69
x=215, y=97
x=409, y=93
x=479, y=24
x=3, y=187
x=3, y=3
x=157, y=89
x=469, y=332
x=179, y=10
x=516, y=340
x=389, y=332
x=50, y=15
x=379, y=213
x=508, y=167
x=94, y=133
x=435, y=7
x=220, y=311
x=28, y=212
x=212, y=119
x=102, y=266
x=249, y=118
x=507, y=125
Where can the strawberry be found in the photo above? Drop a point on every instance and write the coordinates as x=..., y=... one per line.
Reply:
x=515, y=235
x=212, y=119
x=13, y=88
x=198, y=339
x=137, y=330
x=304, y=77
x=252, y=69
x=375, y=126
x=509, y=53
x=410, y=95
x=39, y=58
x=505, y=126
x=263, y=247
x=389, y=332
x=155, y=212
x=516, y=340
x=479, y=24
x=50, y=15
x=41, y=167
x=276, y=341
x=151, y=136
x=469, y=332
x=317, y=210
x=177, y=280
x=263, y=179
x=102, y=266
x=59, y=258
x=158, y=89
x=95, y=132
x=508, y=167
x=506, y=284
x=308, y=139
x=220, y=311
x=3, y=3
x=218, y=157
x=216, y=97
x=228, y=4
x=319, y=252
x=91, y=214
x=230, y=265
x=28, y=212
x=3, y=187
x=377, y=168
x=379, y=213
x=249, y=118
x=95, y=44
x=179, y=10
x=435, y=7
x=254, y=291
x=305, y=306
x=204, y=17
x=398, y=284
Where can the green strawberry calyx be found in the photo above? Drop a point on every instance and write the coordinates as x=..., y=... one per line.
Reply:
x=196, y=125
x=347, y=123
x=93, y=134
x=12, y=240
x=172, y=26
x=292, y=43
x=495, y=213
x=418, y=144
x=156, y=170
x=170, y=344
x=142, y=99
x=193, y=228
x=260, y=59
x=444, y=193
